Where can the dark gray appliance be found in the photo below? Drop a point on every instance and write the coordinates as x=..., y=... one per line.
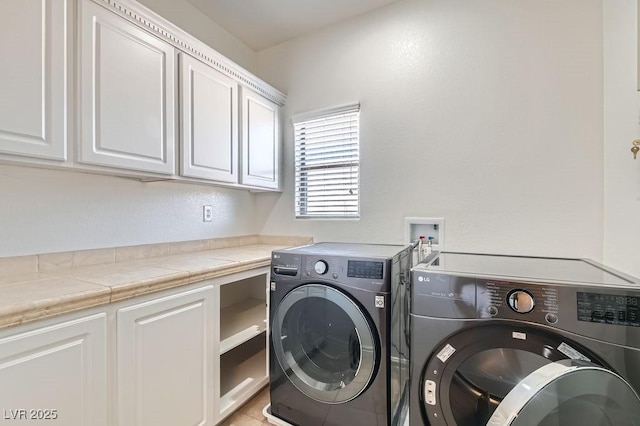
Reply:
x=338, y=343
x=507, y=340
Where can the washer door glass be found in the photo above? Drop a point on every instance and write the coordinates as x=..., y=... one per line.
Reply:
x=324, y=343
x=569, y=392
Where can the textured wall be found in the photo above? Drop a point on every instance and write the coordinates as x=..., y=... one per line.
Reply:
x=46, y=211
x=488, y=114
x=622, y=107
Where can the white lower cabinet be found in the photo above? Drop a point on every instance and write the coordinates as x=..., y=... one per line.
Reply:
x=165, y=360
x=55, y=374
x=184, y=357
x=192, y=357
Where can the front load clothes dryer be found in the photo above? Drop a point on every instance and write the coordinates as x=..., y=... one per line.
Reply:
x=335, y=353
x=506, y=340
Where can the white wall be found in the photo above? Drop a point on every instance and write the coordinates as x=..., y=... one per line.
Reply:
x=621, y=117
x=186, y=16
x=46, y=211
x=488, y=114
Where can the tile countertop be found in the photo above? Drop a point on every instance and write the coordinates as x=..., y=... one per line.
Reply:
x=37, y=287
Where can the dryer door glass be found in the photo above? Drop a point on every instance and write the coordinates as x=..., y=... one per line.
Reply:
x=471, y=372
x=569, y=392
x=324, y=343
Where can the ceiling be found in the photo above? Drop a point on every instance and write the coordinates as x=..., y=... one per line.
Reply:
x=264, y=23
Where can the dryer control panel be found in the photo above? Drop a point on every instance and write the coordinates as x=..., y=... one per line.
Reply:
x=545, y=291
x=617, y=309
x=535, y=302
x=578, y=309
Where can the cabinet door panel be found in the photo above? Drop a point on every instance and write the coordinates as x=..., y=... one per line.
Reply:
x=127, y=95
x=209, y=105
x=33, y=78
x=62, y=368
x=260, y=141
x=165, y=358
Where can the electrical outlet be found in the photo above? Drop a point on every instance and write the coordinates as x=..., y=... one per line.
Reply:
x=207, y=213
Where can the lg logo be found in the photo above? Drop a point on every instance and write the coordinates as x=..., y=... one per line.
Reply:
x=423, y=279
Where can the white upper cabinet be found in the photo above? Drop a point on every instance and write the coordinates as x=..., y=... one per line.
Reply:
x=33, y=78
x=209, y=122
x=127, y=94
x=95, y=85
x=260, y=141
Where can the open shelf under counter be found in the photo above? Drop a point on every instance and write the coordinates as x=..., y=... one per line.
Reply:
x=243, y=372
x=241, y=322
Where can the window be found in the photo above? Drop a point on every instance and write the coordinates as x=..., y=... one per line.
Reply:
x=327, y=163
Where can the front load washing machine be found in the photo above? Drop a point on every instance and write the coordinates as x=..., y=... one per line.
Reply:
x=338, y=351
x=507, y=340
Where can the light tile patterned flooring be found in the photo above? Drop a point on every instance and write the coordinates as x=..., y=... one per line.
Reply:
x=250, y=414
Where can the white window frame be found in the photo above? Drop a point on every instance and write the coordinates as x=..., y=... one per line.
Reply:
x=336, y=175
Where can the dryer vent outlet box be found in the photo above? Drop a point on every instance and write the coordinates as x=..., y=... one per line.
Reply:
x=433, y=227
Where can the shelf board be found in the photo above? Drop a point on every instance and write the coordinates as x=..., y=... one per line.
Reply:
x=239, y=381
x=241, y=322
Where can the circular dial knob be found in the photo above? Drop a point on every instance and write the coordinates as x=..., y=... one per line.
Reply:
x=321, y=267
x=521, y=301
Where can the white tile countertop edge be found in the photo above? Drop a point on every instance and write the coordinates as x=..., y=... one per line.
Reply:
x=43, y=286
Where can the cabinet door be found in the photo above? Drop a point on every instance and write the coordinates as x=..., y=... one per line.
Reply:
x=33, y=78
x=260, y=141
x=165, y=360
x=127, y=94
x=56, y=373
x=209, y=126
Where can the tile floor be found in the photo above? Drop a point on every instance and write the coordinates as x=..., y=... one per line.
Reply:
x=250, y=414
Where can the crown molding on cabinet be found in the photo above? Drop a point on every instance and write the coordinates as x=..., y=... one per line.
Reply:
x=164, y=29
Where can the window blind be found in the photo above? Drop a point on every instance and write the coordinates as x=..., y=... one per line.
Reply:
x=327, y=163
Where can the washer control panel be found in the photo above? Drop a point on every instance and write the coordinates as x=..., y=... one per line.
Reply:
x=321, y=267
x=365, y=269
x=368, y=273
x=285, y=265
